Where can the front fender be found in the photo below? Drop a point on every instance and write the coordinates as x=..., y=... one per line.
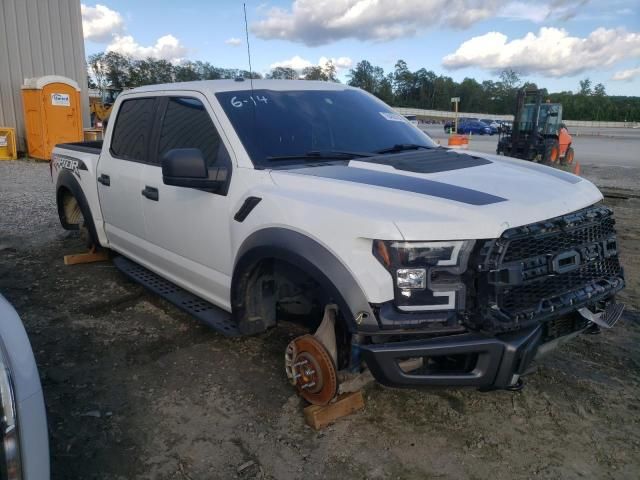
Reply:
x=314, y=259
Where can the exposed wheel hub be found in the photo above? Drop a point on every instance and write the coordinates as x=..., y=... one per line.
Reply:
x=311, y=370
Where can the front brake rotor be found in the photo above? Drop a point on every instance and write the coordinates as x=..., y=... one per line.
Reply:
x=311, y=370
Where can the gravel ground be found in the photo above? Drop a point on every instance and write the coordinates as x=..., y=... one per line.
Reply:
x=137, y=389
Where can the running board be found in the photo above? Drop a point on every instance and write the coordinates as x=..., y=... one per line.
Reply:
x=204, y=311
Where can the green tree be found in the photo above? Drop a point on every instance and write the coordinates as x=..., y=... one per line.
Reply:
x=117, y=70
x=330, y=71
x=150, y=71
x=372, y=79
x=585, y=86
x=98, y=70
x=283, y=73
x=401, y=87
x=186, y=72
x=315, y=72
x=599, y=90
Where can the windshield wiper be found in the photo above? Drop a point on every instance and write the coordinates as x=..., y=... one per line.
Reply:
x=321, y=155
x=401, y=147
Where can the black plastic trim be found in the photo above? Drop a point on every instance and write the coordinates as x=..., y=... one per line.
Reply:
x=314, y=259
x=248, y=205
x=498, y=359
x=390, y=318
x=93, y=146
x=428, y=161
x=68, y=181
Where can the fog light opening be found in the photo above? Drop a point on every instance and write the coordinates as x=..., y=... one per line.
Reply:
x=439, y=364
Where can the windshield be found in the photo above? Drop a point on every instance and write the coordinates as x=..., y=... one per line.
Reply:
x=274, y=124
x=550, y=118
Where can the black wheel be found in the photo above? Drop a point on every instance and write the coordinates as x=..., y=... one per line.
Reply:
x=551, y=154
x=568, y=156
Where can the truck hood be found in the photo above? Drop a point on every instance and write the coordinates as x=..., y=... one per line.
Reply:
x=443, y=194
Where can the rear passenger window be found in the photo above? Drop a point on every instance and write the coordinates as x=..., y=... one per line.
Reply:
x=187, y=124
x=132, y=130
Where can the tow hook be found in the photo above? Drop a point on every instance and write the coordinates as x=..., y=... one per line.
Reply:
x=517, y=386
x=605, y=319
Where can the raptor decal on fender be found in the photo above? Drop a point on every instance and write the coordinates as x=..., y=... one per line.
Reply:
x=68, y=163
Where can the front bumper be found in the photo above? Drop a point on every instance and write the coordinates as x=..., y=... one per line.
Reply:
x=498, y=361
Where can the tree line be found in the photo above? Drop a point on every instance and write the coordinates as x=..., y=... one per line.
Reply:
x=401, y=87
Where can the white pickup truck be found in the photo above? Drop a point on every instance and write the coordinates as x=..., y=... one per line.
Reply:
x=24, y=440
x=246, y=203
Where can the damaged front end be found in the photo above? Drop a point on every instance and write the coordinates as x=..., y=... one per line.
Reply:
x=524, y=293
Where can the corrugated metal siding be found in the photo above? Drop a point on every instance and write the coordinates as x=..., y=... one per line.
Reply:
x=38, y=37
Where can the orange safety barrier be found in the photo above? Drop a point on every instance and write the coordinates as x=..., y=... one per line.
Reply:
x=458, y=141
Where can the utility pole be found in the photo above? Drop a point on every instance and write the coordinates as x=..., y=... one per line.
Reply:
x=456, y=101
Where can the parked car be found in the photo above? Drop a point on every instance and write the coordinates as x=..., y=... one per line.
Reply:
x=495, y=126
x=24, y=451
x=449, y=125
x=474, y=127
x=292, y=197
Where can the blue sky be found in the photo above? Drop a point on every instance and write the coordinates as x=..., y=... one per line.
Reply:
x=555, y=45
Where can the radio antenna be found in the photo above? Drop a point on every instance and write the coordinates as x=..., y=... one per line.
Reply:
x=246, y=31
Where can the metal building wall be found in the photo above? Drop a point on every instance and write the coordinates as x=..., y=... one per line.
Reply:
x=38, y=37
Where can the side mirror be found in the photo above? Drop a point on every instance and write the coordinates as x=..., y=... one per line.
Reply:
x=186, y=167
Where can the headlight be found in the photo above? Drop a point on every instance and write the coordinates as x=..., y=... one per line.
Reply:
x=426, y=275
x=10, y=465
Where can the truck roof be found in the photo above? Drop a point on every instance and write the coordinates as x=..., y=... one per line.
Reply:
x=215, y=86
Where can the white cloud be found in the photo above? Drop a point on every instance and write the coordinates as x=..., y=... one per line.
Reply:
x=340, y=63
x=298, y=63
x=317, y=22
x=234, y=42
x=551, y=52
x=100, y=23
x=166, y=47
x=626, y=75
x=554, y=10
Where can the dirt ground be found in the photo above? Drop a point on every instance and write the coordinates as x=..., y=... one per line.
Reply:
x=137, y=389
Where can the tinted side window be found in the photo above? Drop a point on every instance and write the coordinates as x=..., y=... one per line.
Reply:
x=187, y=124
x=132, y=130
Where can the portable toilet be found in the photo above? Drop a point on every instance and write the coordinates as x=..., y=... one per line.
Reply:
x=52, y=113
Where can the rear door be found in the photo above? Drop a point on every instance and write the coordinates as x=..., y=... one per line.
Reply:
x=119, y=171
x=187, y=229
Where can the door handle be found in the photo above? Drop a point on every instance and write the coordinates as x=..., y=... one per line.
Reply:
x=151, y=193
x=104, y=180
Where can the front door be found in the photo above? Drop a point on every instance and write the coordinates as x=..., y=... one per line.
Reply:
x=187, y=230
x=119, y=176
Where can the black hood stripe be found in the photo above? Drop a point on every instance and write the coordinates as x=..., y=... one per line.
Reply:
x=401, y=182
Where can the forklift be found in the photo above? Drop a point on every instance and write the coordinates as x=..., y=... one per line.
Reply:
x=537, y=134
x=100, y=105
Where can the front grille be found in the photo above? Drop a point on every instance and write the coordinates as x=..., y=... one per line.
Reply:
x=532, y=246
x=544, y=270
x=589, y=277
